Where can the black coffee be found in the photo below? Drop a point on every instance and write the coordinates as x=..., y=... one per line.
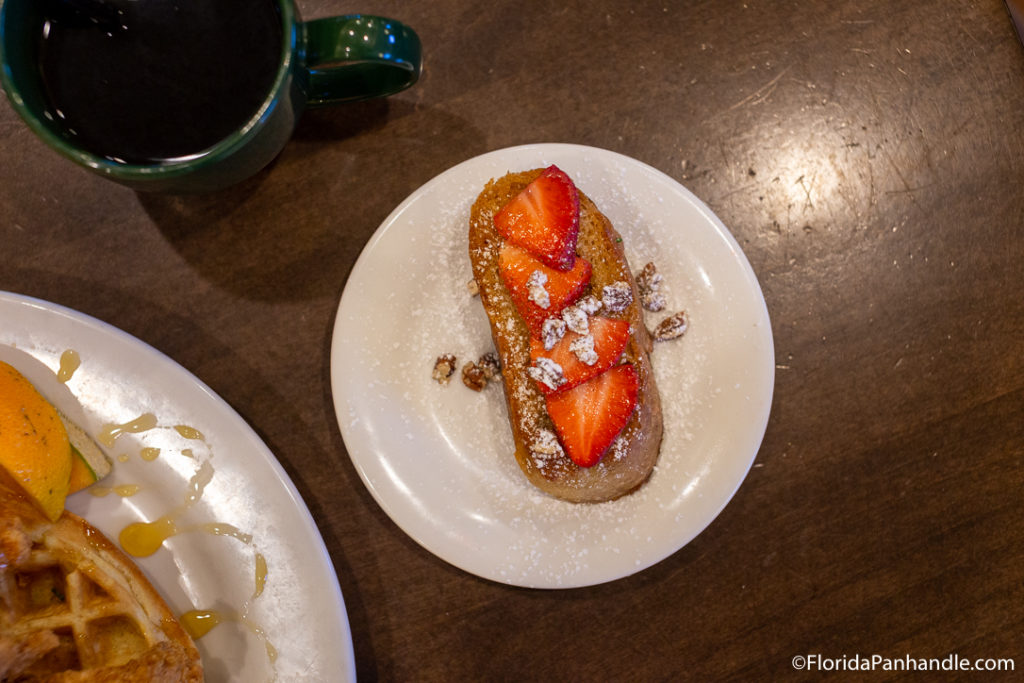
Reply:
x=144, y=81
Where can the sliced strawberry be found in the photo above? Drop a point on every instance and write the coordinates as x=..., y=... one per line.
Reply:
x=610, y=338
x=544, y=219
x=561, y=288
x=590, y=416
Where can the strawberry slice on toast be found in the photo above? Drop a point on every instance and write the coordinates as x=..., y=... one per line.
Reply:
x=544, y=219
x=609, y=336
x=589, y=416
x=538, y=291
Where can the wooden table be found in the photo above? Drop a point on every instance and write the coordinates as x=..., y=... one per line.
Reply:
x=869, y=159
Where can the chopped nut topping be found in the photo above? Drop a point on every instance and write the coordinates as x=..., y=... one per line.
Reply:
x=653, y=301
x=617, y=297
x=551, y=331
x=583, y=347
x=490, y=364
x=538, y=294
x=576, y=319
x=671, y=327
x=547, y=372
x=444, y=366
x=589, y=304
x=648, y=281
x=546, y=446
x=473, y=376
x=473, y=288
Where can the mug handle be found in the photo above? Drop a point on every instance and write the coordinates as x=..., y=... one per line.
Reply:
x=358, y=57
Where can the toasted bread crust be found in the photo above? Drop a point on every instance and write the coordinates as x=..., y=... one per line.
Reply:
x=632, y=457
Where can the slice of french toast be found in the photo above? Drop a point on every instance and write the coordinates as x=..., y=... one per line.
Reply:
x=548, y=453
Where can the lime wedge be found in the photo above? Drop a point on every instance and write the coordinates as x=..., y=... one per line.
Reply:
x=93, y=464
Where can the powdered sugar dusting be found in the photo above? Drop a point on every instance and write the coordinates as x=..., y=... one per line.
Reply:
x=440, y=458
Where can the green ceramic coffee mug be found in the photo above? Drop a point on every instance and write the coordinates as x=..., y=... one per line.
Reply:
x=191, y=95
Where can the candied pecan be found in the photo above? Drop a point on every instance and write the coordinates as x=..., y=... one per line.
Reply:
x=648, y=282
x=583, y=347
x=589, y=304
x=671, y=327
x=535, y=285
x=444, y=366
x=617, y=297
x=546, y=445
x=576, y=319
x=490, y=364
x=551, y=331
x=547, y=372
x=473, y=376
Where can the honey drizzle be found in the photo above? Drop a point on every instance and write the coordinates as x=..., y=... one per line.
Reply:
x=142, y=539
x=69, y=362
x=197, y=483
x=149, y=454
x=109, y=433
x=123, y=490
x=260, y=575
x=190, y=433
x=262, y=635
x=221, y=529
x=199, y=622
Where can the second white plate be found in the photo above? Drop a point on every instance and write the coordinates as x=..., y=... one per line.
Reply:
x=248, y=550
x=439, y=459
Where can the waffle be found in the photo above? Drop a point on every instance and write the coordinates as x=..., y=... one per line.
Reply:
x=74, y=608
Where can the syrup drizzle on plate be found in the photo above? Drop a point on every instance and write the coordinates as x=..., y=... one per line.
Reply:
x=69, y=362
x=141, y=539
x=109, y=433
x=123, y=490
x=198, y=622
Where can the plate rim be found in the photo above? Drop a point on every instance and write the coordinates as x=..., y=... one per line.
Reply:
x=541, y=150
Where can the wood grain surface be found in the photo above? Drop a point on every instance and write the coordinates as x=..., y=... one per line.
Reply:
x=869, y=159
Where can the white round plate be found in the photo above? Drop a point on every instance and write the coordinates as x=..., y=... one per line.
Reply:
x=439, y=459
x=300, y=611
